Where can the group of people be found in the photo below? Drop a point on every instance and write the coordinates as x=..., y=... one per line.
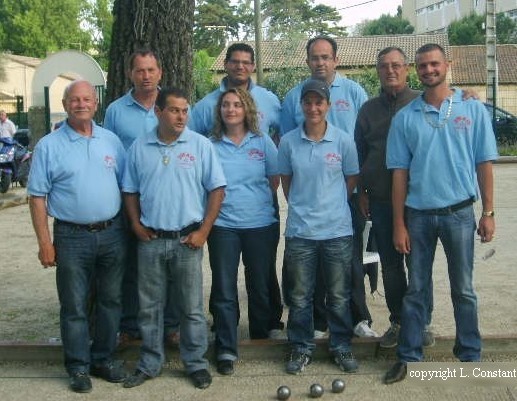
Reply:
x=213, y=177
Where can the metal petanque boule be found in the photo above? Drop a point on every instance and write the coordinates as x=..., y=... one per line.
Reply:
x=283, y=393
x=338, y=386
x=316, y=390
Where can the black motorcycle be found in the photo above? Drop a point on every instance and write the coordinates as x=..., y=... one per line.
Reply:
x=15, y=163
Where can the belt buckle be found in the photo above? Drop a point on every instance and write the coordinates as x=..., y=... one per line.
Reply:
x=96, y=227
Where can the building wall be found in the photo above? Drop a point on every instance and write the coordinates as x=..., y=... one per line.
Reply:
x=506, y=95
x=435, y=15
x=19, y=83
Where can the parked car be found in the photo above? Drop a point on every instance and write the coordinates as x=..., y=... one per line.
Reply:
x=505, y=125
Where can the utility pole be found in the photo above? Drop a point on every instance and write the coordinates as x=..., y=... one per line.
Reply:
x=491, y=59
x=258, y=42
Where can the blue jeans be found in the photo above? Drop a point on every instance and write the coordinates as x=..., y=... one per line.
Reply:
x=456, y=233
x=392, y=262
x=168, y=268
x=225, y=246
x=302, y=259
x=87, y=260
x=130, y=304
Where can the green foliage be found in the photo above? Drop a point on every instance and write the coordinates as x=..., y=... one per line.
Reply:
x=36, y=27
x=280, y=81
x=99, y=19
x=203, y=77
x=369, y=80
x=282, y=19
x=385, y=25
x=215, y=21
x=469, y=30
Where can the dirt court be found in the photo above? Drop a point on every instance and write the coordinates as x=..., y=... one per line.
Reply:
x=29, y=306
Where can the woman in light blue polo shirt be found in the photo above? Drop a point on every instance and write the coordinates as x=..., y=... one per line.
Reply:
x=246, y=223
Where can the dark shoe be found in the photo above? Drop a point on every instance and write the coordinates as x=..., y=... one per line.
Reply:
x=136, y=379
x=112, y=371
x=390, y=338
x=297, y=362
x=225, y=367
x=346, y=361
x=396, y=373
x=201, y=378
x=80, y=382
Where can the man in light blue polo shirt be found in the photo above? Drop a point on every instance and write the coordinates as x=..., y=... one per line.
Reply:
x=346, y=97
x=440, y=149
x=173, y=189
x=319, y=169
x=239, y=64
x=74, y=178
x=130, y=117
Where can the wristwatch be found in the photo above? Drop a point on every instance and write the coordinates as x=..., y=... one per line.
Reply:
x=488, y=213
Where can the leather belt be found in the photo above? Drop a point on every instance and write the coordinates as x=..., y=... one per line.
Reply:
x=449, y=209
x=177, y=234
x=91, y=227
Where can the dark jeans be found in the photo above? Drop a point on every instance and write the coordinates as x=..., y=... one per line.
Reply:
x=225, y=246
x=302, y=258
x=392, y=262
x=87, y=260
x=130, y=304
x=358, y=305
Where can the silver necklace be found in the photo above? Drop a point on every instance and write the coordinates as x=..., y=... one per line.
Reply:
x=164, y=151
x=439, y=124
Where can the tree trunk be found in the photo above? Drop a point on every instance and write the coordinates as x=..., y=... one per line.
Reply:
x=166, y=27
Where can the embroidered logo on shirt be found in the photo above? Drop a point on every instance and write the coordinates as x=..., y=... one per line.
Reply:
x=110, y=162
x=255, y=154
x=342, y=105
x=333, y=160
x=260, y=116
x=186, y=160
x=461, y=123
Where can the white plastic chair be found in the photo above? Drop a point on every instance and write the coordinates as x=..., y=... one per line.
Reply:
x=368, y=257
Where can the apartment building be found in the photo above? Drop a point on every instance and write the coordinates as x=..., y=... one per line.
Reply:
x=434, y=16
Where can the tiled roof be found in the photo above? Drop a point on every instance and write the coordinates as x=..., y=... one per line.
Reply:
x=353, y=52
x=469, y=64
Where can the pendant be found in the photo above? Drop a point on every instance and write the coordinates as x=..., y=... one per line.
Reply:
x=165, y=160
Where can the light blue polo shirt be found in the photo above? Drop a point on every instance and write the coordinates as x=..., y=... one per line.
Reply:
x=172, y=195
x=80, y=176
x=441, y=161
x=317, y=204
x=346, y=98
x=268, y=109
x=129, y=119
x=249, y=201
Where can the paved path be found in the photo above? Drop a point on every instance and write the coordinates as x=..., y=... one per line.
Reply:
x=261, y=369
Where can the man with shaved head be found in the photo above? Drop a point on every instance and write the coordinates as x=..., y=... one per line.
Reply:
x=75, y=177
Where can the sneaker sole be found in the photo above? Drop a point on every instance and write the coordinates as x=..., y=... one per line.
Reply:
x=387, y=346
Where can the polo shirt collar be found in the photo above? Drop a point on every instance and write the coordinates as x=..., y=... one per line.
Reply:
x=73, y=135
x=330, y=134
x=224, y=84
x=152, y=137
x=420, y=103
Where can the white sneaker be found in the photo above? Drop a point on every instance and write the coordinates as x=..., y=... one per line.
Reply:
x=277, y=334
x=362, y=329
x=320, y=334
